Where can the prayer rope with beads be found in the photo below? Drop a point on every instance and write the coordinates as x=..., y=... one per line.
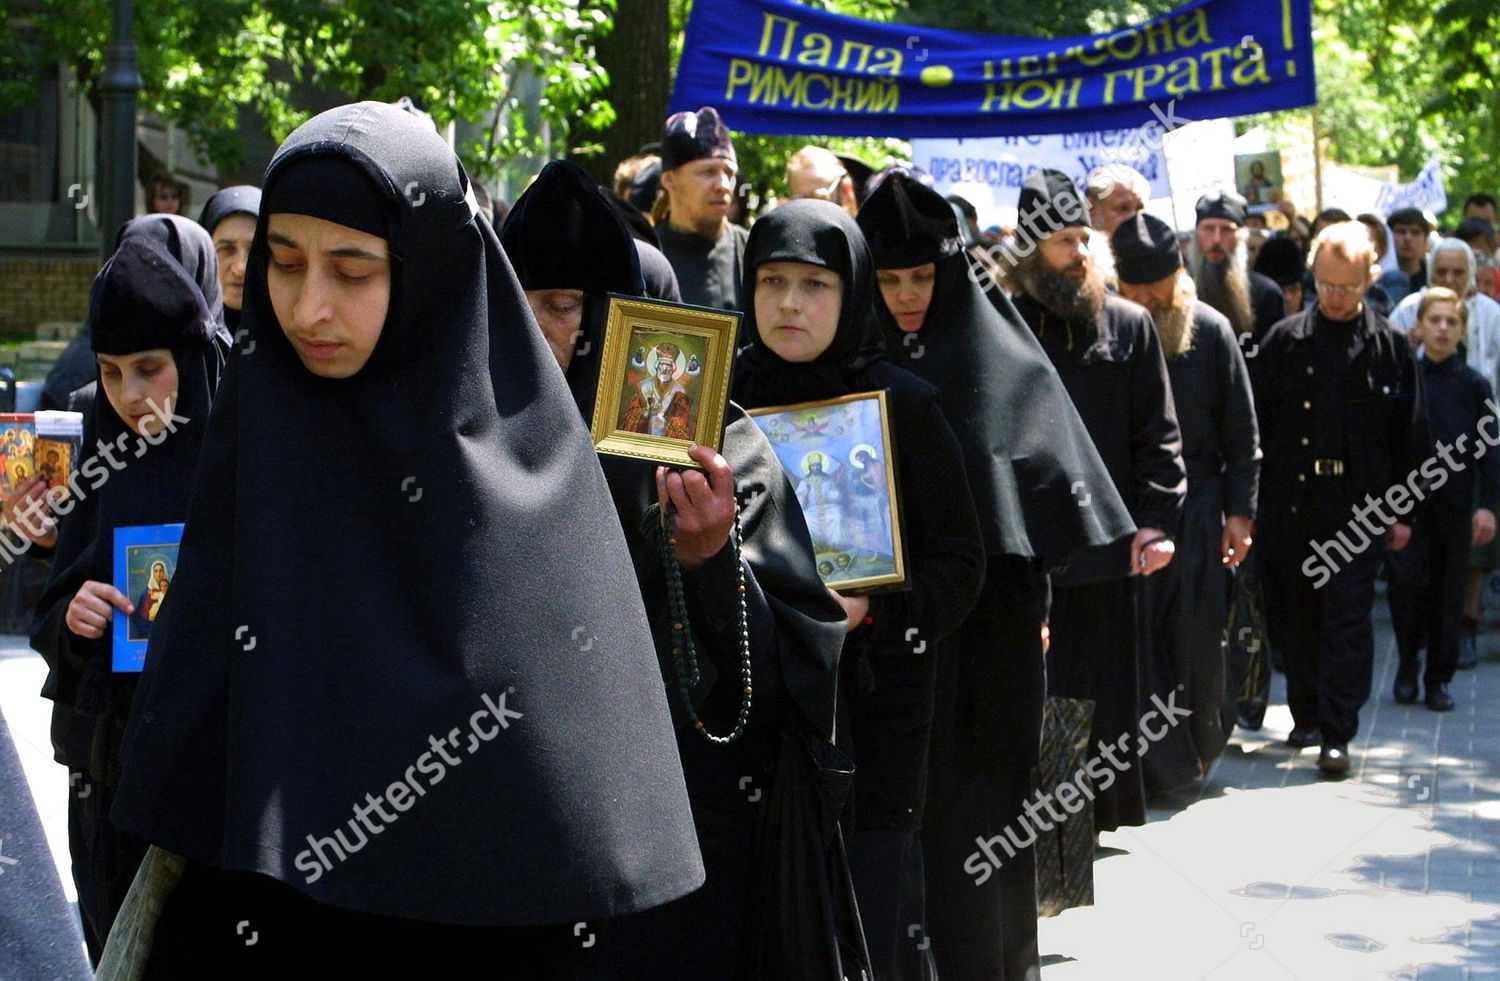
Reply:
x=684, y=652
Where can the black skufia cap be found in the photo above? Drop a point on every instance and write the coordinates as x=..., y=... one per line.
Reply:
x=1050, y=202
x=563, y=233
x=693, y=136
x=1145, y=250
x=1222, y=204
x=906, y=222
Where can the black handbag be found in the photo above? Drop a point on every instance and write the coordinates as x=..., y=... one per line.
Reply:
x=1065, y=854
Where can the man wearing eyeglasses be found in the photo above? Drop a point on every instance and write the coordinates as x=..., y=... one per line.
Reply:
x=1342, y=424
x=816, y=172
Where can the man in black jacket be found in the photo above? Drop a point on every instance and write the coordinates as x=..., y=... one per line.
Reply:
x=1342, y=424
x=1184, y=609
x=1108, y=356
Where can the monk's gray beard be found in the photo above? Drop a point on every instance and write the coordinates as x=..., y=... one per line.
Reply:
x=1174, y=325
x=1079, y=302
x=1226, y=287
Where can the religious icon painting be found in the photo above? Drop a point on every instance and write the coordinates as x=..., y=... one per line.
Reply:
x=17, y=443
x=664, y=379
x=837, y=454
x=145, y=564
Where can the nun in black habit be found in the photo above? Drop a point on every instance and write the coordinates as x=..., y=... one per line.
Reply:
x=804, y=348
x=187, y=243
x=158, y=362
x=398, y=542
x=229, y=218
x=569, y=249
x=1025, y=451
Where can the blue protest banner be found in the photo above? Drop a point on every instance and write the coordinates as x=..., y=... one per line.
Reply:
x=774, y=66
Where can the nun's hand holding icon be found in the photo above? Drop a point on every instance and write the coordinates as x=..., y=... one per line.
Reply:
x=93, y=606
x=27, y=514
x=705, y=506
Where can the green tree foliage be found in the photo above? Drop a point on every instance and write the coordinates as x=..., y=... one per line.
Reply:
x=204, y=62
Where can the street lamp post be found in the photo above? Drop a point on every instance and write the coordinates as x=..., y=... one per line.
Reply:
x=118, y=90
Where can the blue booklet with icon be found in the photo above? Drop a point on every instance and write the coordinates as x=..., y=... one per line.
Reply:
x=145, y=564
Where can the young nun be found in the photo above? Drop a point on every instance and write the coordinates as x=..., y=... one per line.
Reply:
x=158, y=365
x=229, y=218
x=70, y=383
x=811, y=324
x=1025, y=452
x=569, y=249
x=369, y=719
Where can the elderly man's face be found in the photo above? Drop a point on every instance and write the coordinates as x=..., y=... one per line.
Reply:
x=1450, y=269
x=1115, y=208
x=1217, y=239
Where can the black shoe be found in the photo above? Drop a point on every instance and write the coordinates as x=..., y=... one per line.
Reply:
x=1406, y=682
x=1302, y=738
x=1334, y=759
x=1438, y=698
x=1468, y=650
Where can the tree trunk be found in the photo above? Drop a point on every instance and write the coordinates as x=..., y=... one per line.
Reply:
x=637, y=55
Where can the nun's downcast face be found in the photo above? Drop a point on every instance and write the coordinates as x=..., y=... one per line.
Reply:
x=232, y=237
x=797, y=308
x=330, y=287
x=908, y=293
x=560, y=315
x=141, y=387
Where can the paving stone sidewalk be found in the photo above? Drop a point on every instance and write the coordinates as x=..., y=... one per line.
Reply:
x=1270, y=873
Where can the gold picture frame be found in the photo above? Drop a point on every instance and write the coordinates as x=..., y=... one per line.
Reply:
x=664, y=379
x=840, y=458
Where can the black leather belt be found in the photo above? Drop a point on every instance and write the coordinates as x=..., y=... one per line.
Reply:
x=1328, y=468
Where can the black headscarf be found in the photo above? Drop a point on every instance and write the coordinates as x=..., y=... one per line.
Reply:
x=819, y=233
x=1025, y=447
x=241, y=199
x=564, y=234
x=191, y=246
x=371, y=562
x=141, y=300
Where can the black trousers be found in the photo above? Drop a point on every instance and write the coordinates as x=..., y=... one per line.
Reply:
x=1325, y=633
x=1427, y=590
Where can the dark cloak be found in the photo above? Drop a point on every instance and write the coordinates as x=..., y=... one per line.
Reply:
x=152, y=489
x=1025, y=446
x=562, y=235
x=1025, y=451
x=374, y=560
x=142, y=299
x=890, y=663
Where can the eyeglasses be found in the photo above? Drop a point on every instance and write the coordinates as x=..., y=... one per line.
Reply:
x=1339, y=289
x=831, y=191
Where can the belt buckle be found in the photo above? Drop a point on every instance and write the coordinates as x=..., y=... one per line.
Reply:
x=1328, y=468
